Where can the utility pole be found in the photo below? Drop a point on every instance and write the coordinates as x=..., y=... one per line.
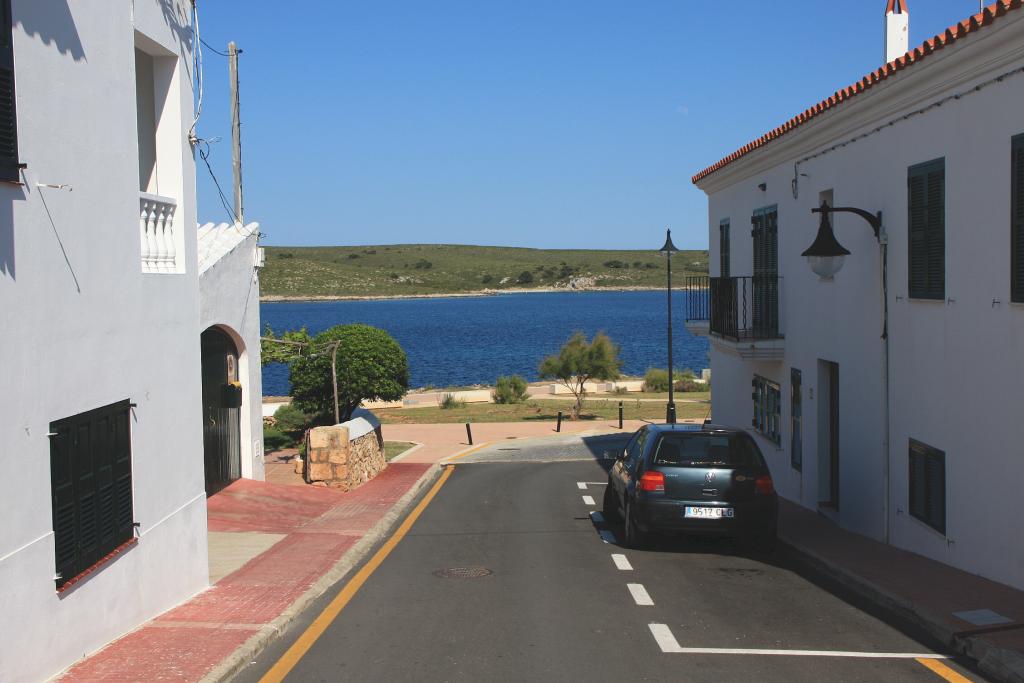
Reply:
x=236, y=132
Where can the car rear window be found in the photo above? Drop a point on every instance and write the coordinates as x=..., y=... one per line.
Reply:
x=703, y=450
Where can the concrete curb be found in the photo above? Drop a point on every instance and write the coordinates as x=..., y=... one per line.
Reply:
x=1005, y=666
x=241, y=657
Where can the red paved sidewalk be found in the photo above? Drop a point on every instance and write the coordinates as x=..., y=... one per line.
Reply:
x=916, y=589
x=319, y=524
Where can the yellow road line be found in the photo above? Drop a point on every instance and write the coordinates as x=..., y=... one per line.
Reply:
x=471, y=451
x=943, y=671
x=305, y=641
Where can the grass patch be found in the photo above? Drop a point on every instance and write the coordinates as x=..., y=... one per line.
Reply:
x=405, y=269
x=545, y=410
x=393, y=449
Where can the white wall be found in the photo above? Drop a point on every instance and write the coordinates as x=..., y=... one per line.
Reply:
x=86, y=328
x=957, y=369
x=230, y=299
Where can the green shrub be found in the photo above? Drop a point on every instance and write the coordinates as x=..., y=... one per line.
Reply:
x=487, y=279
x=525, y=277
x=690, y=384
x=656, y=379
x=510, y=389
x=449, y=402
x=291, y=420
x=274, y=439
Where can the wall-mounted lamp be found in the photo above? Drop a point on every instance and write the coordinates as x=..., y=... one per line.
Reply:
x=826, y=255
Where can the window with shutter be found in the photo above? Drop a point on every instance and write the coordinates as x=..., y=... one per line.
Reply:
x=1017, y=221
x=926, y=243
x=764, y=284
x=724, y=249
x=91, y=487
x=928, y=485
x=9, y=165
x=767, y=397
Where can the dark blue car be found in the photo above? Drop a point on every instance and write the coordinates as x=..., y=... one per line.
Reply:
x=692, y=480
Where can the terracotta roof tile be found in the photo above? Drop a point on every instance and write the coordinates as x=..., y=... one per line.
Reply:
x=950, y=35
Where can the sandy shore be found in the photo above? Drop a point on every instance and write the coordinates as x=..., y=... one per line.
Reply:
x=275, y=298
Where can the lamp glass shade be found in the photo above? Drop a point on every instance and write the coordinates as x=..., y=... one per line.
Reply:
x=826, y=267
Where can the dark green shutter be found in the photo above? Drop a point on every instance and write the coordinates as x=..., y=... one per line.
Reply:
x=91, y=487
x=926, y=222
x=764, y=284
x=928, y=485
x=9, y=166
x=1017, y=221
x=724, y=249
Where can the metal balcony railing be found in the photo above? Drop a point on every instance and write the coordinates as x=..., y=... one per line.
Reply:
x=698, y=302
x=746, y=308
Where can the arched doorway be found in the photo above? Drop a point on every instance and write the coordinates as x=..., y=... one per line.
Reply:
x=222, y=400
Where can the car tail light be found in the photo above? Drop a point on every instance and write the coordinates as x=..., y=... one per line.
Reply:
x=652, y=481
x=764, y=485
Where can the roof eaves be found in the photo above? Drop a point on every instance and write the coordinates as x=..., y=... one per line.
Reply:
x=950, y=35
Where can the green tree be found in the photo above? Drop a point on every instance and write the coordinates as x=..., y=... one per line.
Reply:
x=580, y=361
x=370, y=364
x=283, y=349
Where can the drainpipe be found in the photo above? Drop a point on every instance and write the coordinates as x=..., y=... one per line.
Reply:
x=883, y=241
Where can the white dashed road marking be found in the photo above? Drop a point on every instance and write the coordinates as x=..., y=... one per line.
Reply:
x=640, y=595
x=589, y=500
x=668, y=643
x=596, y=517
x=622, y=562
x=607, y=536
x=582, y=485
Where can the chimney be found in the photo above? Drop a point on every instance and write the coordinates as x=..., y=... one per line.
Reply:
x=897, y=33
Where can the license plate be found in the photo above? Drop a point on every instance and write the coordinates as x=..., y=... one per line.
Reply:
x=708, y=512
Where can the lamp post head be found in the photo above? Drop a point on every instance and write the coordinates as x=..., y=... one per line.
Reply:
x=825, y=254
x=669, y=248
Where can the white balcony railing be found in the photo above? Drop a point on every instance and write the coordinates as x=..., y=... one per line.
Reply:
x=156, y=231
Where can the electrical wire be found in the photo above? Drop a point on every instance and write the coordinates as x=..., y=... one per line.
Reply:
x=877, y=129
x=203, y=147
x=197, y=71
x=215, y=50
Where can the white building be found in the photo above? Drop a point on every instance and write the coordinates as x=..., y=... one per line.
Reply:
x=229, y=297
x=103, y=500
x=896, y=415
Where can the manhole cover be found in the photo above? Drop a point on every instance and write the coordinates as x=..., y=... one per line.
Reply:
x=463, y=572
x=735, y=571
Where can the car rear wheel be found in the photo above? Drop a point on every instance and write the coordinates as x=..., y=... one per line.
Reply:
x=610, y=506
x=635, y=538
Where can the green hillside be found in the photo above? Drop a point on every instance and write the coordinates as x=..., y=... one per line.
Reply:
x=423, y=269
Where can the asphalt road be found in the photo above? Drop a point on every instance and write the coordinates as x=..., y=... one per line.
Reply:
x=556, y=605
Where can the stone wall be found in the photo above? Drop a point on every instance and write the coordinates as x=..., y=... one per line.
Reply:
x=344, y=456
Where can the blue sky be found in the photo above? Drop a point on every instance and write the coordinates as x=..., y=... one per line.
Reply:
x=554, y=123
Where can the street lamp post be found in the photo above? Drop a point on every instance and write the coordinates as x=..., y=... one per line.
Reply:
x=826, y=256
x=669, y=249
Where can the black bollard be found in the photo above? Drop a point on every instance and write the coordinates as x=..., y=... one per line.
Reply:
x=469, y=434
x=558, y=426
x=620, y=414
